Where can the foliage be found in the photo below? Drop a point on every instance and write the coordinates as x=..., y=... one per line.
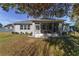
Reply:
x=39, y=9
x=76, y=9
x=1, y=25
x=77, y=26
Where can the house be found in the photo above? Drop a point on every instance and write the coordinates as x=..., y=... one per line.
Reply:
x=38, y=27
x=9, y=26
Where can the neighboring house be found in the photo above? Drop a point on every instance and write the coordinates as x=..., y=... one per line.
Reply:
x=1, y=25
x=38, y=27
x=9, y=26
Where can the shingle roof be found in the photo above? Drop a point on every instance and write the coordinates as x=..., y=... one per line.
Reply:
x=23, y=22
x=35, y=20
x=8, y=25
x=48, y=20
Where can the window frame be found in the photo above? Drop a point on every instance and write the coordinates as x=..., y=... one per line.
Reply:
x=21, y=27
x=28, y=26
x=25, y=27
x=37, y=27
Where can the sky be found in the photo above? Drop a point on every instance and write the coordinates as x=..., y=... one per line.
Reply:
x=67, y=20
x=11, y=17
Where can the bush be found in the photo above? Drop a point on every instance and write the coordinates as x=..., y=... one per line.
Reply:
x=15, y=33
x=21, y=32
x=28, y=33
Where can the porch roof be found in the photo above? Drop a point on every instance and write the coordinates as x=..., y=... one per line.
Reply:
x=40, y=21
x=23, y=22
x=49, y=20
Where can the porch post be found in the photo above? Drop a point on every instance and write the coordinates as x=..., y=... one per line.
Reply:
x=60, y=28
x=52, y=27
x=33, y=29
x=40, y=27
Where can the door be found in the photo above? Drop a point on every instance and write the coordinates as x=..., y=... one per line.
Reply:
x=46, y=28
x=55, y=27
x=37, y=28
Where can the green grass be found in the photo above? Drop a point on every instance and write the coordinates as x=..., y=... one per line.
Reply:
x=16, y=44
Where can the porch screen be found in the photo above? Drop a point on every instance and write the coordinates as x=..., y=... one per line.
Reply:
x=49, y=27
x=46, y=28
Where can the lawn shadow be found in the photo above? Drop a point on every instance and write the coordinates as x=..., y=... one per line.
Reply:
x=75, y=37
x=65, y=42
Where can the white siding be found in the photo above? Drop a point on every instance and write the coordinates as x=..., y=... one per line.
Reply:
x=36, y=33
x=17, y=29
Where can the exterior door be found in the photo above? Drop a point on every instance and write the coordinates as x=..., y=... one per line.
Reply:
x=46, y=28
x=55, y=27
x=37, y=30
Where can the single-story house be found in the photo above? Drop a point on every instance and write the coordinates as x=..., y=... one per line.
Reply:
x=9, y=26
x=38, y=27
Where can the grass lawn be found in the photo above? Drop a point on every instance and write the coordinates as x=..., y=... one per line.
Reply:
x=18, y=45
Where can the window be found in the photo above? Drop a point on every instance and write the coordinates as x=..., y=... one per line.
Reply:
x=28, y=26
x=37, y=27
x=24, y=27
x=43, y=26
x=21, y=27
x=49, y=26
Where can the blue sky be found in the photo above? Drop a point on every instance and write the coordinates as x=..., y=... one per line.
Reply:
x=67, y=20
x=11, y=16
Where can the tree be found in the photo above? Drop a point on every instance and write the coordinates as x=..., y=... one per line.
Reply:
x=76, y=9
x=75, y=13
x=39, y=9
x=1, y=25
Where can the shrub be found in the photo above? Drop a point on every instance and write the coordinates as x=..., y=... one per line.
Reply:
x=21, y=33
x=28, y=33
x=15, y=33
